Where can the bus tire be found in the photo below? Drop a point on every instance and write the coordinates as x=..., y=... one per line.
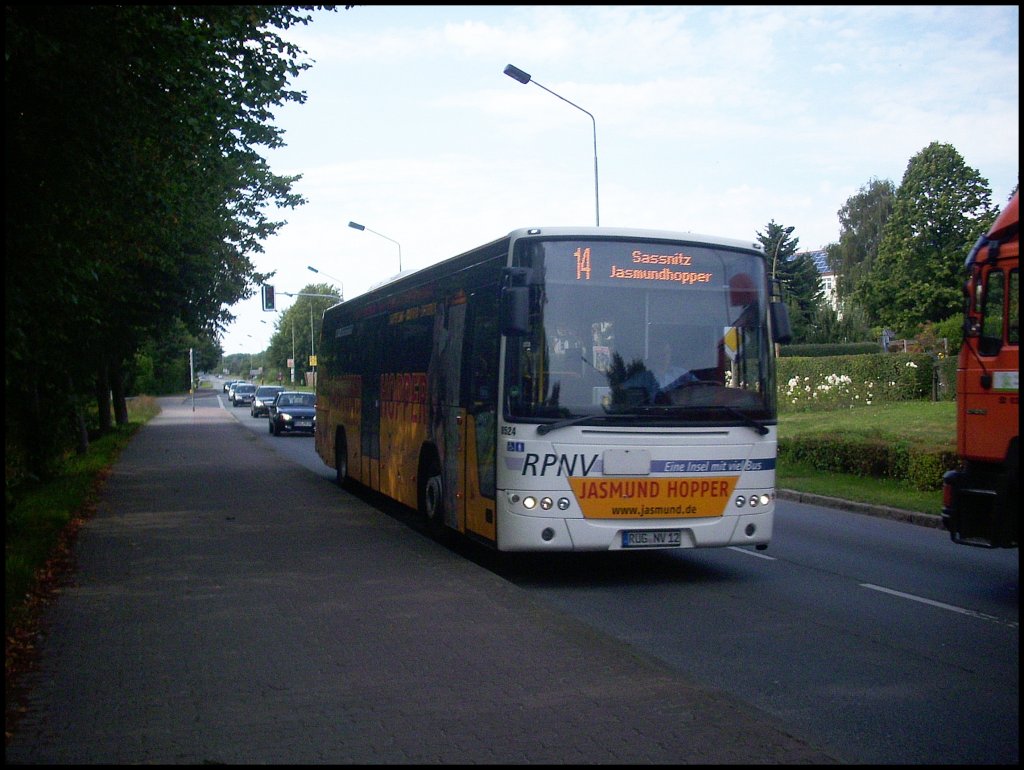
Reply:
x=341, y=460
x=431, y=496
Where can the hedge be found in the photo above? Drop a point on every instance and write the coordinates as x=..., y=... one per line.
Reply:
x=921, y=467
x=839, y=382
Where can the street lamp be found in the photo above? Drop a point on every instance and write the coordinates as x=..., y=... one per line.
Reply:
x=524, y=77
x=357, y=226
x=321, y=272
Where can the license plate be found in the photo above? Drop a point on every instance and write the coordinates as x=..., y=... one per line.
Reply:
x=303, y=423
x=652, y=538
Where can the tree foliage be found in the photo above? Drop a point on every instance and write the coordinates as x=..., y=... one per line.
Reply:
x=861, y=220
x=298, y=329
x=797, y=276
x=135, y=190
x=940, y=209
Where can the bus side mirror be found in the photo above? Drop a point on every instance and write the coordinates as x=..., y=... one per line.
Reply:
x=514, y=306
x=515, y=310
x=781, y=329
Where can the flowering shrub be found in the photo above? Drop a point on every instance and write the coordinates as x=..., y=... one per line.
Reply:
x=834, y=391
x=843, y=382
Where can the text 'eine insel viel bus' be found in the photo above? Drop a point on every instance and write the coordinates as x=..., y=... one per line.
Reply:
x=565, y=389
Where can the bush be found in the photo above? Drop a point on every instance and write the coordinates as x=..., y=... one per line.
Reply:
x=837, y=382
x=871, y=457
x=926, y=466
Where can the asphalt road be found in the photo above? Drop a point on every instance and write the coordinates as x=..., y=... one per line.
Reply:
x=854, y=628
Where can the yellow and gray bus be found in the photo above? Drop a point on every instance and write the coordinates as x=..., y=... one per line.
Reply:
x=564, y=389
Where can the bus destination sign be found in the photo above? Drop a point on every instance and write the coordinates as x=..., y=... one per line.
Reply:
x=640, y=265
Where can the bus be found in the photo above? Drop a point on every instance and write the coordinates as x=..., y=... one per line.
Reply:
x=980, y=500
x=564, y=389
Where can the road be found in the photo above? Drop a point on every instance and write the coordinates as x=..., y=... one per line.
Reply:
x=880, y=640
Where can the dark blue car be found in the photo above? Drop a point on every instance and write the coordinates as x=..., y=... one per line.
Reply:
x=293, y=412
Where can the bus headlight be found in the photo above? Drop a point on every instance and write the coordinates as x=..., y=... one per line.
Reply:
x=753, y=501
x=529, y=502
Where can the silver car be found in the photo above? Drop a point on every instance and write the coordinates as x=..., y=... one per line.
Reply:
x=265, y=395
x=242, y=393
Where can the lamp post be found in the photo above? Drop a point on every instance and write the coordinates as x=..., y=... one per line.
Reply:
x=524, y=77
x=321, y=272
x=357, y=226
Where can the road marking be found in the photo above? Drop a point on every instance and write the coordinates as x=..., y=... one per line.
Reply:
x=940, y=605
x=748, y=552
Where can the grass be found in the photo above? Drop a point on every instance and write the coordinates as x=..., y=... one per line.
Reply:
x=926, y=423
x=46, y=515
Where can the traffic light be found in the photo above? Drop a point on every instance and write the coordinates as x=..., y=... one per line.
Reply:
x=268, y=297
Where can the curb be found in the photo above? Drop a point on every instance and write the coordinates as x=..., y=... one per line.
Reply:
x=881, y=511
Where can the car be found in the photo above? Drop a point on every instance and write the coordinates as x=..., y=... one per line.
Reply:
x=231, y=389
x=265, y=395
x=228, y=384
x=293, y=412
x=242, y=393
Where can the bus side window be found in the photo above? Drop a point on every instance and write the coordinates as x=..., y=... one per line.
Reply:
x=482, y=352
x=481, y=368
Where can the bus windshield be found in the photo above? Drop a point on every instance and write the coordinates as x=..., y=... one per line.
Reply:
x=646, y=331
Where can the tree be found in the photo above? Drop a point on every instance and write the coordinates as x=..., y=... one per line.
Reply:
x=298, y=328
x=136, y=193
x=861, y=220
x=797, y=275
x=940, y=209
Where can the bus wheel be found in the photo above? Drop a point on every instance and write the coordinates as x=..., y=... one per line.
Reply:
x=432, y=498
x=341, y=461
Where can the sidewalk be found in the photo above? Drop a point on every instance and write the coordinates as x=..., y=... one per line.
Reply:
x=228, y=608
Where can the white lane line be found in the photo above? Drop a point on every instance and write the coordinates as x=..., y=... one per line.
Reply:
x=940, y=605
x=748, y=552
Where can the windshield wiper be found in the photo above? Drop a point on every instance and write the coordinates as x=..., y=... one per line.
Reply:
x=679, y=411
x=550, y=426
x=749, y=421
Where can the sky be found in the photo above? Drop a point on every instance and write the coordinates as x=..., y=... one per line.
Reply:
x=708, y=119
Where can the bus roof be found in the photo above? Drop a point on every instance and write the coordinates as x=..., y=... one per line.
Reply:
x=635, y=232
x=562, y=231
